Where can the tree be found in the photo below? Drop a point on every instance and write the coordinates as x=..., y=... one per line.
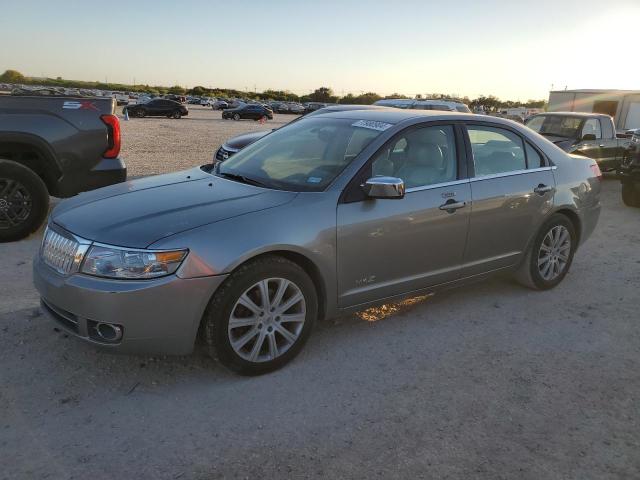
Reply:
x=323, y=95
x=364, y=99
x=177, y=90
x=12, y=76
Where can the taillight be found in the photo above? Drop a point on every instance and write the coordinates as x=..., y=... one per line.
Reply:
x=596, y=170
x=113, y=136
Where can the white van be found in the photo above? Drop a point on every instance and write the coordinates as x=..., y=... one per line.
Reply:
x=622, y=105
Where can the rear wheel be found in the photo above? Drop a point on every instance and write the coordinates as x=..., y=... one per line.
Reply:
x=630, y=195
x=141, y=113
x=261, y=317
x=236, y=116
x=549, y=257
x=24, y=201
x=176, y=114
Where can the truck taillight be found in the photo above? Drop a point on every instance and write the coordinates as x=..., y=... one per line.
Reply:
x=113, y=136
x=596, y=170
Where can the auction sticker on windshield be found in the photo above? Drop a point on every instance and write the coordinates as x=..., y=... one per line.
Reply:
x=373, y=125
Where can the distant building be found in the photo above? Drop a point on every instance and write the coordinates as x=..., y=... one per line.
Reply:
x=622, y=105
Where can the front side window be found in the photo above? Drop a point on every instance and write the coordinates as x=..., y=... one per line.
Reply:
x=592, y=127
x=495, y=150
x=303, y=156
x=420, y=157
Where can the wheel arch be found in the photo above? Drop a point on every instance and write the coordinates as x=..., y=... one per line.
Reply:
x=307, y=265
x=574, y=219
x=17, y=146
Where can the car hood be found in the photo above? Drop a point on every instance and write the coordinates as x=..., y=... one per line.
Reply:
x=241, y=141
x=140, y=212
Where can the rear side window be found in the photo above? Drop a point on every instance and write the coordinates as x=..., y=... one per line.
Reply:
x=592, y=127
x=534, y=159
x=495, y=150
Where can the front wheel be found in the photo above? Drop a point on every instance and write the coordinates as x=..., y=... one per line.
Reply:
x=630, y=195
x=550, y=255
x=261, y=316
x=176, y=114
x=141, y=113
x=24, y=201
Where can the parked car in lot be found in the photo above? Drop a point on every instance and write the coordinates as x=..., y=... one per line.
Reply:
x=296, y=108
x=121, y=99
x=630, y=172
x=329, y=214
x=158, y=107
x=219, y=105
x=53, y=145
x=237, y=143
x=587, y=134
x=248, y=111
x=414, y=104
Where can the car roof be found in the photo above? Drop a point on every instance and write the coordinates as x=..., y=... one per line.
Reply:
x=571, y=114
x=395, y=115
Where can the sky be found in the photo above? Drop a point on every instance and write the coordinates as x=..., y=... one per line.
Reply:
x=514, y=49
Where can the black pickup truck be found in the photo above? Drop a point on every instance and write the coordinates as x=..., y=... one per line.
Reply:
x=591, y=135
x=58, y=146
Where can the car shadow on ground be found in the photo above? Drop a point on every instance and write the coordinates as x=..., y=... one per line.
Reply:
x=70, y=365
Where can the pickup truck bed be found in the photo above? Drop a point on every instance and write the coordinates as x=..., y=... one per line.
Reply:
x=69, y=144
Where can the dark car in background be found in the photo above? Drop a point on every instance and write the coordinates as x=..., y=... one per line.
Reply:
x=629, y=172
x=237, y=143
x=589, y=135
x=248, y=112
x=158, y=107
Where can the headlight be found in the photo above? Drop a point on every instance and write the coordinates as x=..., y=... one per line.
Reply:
x=115, y=262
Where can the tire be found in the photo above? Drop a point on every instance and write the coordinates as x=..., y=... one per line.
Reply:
x=177, y=115
x=259, y=328
x=141, y=113
x=530, y=274
x=236, y=116
x=630, y=195
x=24, y=201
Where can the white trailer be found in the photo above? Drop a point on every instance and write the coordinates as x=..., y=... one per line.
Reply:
x=622, y=105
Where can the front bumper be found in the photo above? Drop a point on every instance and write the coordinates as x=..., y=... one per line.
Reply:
x=108, y=171
x=158, y=316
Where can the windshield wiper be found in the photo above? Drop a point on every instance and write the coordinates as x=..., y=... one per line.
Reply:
x=241, y=178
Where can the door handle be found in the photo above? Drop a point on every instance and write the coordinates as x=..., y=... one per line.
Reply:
x=542, y=189
x=450, y=206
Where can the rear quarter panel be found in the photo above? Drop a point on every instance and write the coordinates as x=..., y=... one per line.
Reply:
x=577, y=187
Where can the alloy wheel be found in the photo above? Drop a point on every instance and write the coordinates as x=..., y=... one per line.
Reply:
x=553, y=255
x=267, y=320
x=15, y=203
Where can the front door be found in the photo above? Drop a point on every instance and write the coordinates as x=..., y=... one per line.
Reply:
x=387, y=247
x=512, y=191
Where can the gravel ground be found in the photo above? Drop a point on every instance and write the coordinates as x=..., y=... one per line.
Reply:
x=160, y=145
x=490, y=382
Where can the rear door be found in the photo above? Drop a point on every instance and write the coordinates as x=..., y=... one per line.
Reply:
x=388, y=247
x=512, y=188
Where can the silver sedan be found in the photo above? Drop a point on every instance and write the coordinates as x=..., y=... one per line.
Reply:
x=330, y=214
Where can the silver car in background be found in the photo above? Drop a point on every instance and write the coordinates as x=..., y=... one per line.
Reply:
x=330, y=214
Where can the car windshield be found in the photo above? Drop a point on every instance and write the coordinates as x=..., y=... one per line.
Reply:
x=555, y=125
x=303, y=156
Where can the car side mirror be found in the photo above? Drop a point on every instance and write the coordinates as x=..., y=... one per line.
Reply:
x=384, y=187
x=588, y=137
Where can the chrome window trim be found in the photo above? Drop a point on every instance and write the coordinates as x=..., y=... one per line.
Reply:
x=512, y=173
x=437, y=185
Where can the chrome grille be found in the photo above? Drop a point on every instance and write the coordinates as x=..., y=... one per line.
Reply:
x=60, y=252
